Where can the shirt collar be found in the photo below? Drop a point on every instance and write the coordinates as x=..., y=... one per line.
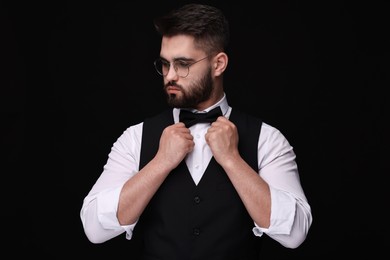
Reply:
x=222, y=103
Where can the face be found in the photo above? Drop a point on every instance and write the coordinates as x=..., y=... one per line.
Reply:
x=190, y=94
x=197, y=87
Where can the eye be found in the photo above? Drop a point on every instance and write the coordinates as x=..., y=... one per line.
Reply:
x=165, y=63
x=182, y=64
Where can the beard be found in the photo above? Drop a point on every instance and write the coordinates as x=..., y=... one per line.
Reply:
x=199, y=91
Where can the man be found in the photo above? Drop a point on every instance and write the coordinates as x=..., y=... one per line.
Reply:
x=198, y=188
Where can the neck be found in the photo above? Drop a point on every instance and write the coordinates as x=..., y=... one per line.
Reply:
x=214, y=98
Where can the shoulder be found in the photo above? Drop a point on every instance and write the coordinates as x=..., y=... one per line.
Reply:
x=132, y=134
x=272, y=138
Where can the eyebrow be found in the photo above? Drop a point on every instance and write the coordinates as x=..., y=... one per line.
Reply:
x=178, y=59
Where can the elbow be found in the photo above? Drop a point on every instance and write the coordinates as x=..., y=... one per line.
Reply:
x=295, y=243
x=94, y=240
x=300, y=231
x=93, y=230
x=289, y=242
x=92, y=236
x=97, y=234
x=299, y=237
x=294, y=239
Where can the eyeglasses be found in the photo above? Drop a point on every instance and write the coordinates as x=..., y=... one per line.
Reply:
x=181, y=67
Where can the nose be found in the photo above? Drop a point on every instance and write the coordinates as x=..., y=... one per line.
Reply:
x=172, y=75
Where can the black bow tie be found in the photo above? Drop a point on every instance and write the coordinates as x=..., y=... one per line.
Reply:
x=189, y=118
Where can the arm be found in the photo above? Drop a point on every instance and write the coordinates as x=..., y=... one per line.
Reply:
x=99, y=210
x=175, y=142
x=222, y=137
x=291, y=215
x=273, y=197
x=121, y=193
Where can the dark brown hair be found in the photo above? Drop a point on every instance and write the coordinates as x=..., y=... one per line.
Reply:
x=207, y=24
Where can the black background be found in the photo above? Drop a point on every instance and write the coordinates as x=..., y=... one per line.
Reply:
x=76, y=75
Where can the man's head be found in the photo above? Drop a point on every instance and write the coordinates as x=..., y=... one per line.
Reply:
x=192, y=58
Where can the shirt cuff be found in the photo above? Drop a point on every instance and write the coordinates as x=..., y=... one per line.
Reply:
x=107, y=205
x=107, y=208
x=283, y=207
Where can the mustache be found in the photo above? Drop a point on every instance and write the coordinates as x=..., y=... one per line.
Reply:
x=172, y=84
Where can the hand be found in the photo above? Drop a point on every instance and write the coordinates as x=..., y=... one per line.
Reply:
x=176, y=142
x=222, y=137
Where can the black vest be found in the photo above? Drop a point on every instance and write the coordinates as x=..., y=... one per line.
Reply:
x=185, y=221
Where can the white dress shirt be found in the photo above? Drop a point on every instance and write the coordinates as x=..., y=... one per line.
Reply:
x=290, y=212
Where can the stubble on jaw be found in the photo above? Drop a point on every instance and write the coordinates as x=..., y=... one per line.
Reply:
x=196, y=93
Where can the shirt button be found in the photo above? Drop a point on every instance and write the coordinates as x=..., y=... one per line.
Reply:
x=197, y=199
x=197, y=136
x=196, y=231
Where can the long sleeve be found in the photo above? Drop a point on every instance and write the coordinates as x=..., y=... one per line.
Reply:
x=291, y=215
x=99, y=210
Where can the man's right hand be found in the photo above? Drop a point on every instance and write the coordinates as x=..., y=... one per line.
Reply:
x=176, y=142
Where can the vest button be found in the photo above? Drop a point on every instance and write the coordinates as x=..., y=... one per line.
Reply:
x=196, y=199
x=196, y=231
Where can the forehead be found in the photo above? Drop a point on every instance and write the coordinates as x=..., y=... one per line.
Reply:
x=179, y=46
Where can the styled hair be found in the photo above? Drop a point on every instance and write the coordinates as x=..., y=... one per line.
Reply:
x=207, y=24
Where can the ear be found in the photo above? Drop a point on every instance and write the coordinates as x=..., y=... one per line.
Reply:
x=220, y=63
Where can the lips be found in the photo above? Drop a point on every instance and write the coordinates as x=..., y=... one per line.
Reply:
x=172, y=89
